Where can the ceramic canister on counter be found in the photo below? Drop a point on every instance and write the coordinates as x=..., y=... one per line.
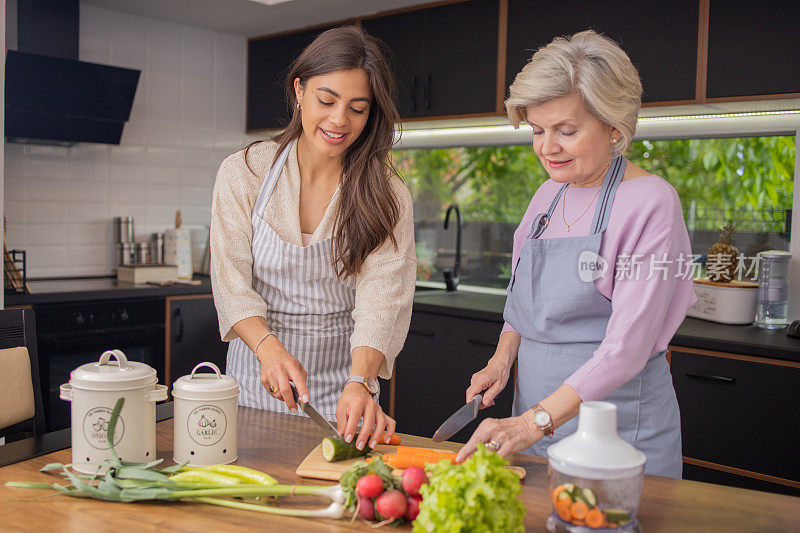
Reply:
x=94, y=389
x=205, y=423
x=178, y=250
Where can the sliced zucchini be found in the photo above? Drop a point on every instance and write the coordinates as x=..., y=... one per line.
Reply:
x=569, y=487
x=590, y=498
x=339, y=450
x=617, y=516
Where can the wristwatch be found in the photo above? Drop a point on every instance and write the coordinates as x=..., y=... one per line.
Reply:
x=542, y=419
x=371, y=384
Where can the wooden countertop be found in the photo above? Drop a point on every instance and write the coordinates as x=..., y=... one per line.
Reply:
x=276, y=444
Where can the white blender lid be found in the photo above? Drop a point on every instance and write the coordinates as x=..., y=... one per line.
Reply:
x=108, y=375
x=595, y=449
x=195, y=386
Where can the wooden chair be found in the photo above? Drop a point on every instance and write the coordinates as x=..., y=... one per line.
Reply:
x=21, y=410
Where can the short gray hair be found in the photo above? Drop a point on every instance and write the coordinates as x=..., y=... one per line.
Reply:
x=591, y=65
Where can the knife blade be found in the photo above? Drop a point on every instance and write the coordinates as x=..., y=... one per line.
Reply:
x=458, y=420
x=314, y=415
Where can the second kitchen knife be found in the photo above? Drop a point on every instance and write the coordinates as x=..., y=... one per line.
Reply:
x=458, y=420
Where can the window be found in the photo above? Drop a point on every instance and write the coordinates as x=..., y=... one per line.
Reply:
x=745, y=181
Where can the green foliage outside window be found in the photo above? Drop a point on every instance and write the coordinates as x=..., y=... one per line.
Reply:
x=745, y=181
x=748, y=180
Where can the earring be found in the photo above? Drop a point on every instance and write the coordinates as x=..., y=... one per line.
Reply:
x=614, y=141
x=298, y=105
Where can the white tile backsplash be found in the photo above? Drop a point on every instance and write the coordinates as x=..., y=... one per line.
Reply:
x=188, y=114
x=36, y=211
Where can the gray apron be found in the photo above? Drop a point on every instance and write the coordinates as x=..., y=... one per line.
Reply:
x=308, y=308
x=562, y=321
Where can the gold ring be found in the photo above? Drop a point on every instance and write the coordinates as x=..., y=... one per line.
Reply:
x=272, y=389
x=492, y=445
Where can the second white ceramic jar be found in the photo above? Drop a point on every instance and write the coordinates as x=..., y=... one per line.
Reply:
x=205, y=422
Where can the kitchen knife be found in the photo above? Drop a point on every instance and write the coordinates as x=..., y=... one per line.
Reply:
x=458, y=420
x=314, y=415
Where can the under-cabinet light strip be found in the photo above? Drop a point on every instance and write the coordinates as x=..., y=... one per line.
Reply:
x=508, y=128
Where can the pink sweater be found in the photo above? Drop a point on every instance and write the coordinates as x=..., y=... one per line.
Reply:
x=646, y=223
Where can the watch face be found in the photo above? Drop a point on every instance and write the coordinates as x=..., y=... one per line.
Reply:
x=373, y=385
x=541, y=418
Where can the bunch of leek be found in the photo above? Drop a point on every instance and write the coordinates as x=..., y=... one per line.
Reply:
x=126, y=482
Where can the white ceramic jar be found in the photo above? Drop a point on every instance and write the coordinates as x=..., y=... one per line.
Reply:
x=94, y=389
x=205, y=421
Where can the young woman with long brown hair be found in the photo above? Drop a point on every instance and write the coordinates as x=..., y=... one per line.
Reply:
x=312, y=243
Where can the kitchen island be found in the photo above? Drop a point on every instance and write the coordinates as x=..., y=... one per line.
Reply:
x=277, y=443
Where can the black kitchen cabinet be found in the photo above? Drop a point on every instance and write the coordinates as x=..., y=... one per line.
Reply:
x=753, y=48
x=434, y=370
x=193, y=336
x=738, y=413
x=268, y=62
x=659, y=37
x=404, y=35
x=445, y=58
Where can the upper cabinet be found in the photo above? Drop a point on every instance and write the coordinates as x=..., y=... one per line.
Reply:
x=452, y=58
x=268, y=62
x=753, y=48
x=659, y=37
x=445, y=57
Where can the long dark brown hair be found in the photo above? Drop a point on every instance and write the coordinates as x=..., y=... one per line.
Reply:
x=368, y=209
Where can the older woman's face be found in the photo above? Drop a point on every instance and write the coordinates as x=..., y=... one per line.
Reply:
x=573, y=146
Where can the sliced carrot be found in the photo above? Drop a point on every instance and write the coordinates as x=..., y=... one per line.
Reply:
x=578, y=522
x=563, y=510
x=595, y=518
x=579, y=510
x=556, y=492
x=611, y=525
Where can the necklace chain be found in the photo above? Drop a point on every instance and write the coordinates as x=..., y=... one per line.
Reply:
x=564, y=203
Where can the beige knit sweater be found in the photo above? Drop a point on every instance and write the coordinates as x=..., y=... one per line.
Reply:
x=384, y=288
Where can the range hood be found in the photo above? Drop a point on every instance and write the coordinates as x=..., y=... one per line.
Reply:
x=50, y=96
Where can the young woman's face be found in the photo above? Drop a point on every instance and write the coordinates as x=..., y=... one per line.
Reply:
x=572, y=144
x=334, y=109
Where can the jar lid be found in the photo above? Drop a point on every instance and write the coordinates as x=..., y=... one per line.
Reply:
x=216, y=386
x=776, y=254
x=108, y=375
x=595, y=450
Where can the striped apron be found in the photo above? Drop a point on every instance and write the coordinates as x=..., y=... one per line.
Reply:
x=562, y=321
x=308, y=308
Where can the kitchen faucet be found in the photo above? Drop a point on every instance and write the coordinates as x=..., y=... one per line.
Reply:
x=452, y=276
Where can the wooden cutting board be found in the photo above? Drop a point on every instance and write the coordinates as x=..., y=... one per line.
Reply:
x=315, y=466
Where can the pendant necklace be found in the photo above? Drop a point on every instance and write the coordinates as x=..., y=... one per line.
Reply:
x=564, y=204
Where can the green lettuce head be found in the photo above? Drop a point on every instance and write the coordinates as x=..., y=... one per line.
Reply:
x=478, y=495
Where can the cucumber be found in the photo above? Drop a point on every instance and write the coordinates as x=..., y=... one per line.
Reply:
x=590, y=498
x=617, y=516
x=339, y=450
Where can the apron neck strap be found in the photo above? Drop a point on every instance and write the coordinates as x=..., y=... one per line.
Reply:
x=543, y=219
x=272, y=178
x=605, y=200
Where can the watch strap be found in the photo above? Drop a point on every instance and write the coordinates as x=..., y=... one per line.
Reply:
x=363, y=382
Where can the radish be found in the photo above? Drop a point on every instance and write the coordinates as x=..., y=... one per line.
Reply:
x=413, y=478
x=391, y=504
x=412, y=509
x=369, y=486
x=366, y=508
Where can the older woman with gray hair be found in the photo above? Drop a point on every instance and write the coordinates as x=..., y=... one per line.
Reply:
x=599, y=284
